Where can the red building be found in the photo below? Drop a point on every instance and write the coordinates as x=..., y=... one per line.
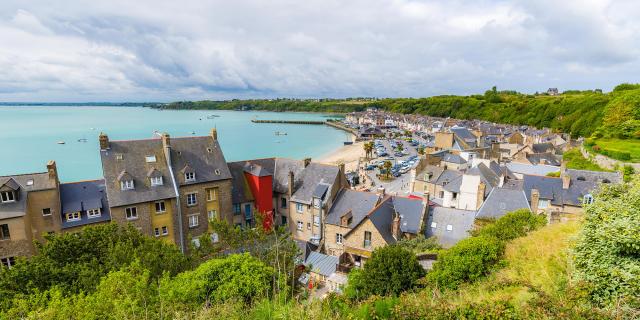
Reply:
x=260, y=182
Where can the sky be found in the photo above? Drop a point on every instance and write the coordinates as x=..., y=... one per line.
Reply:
x=154, y=50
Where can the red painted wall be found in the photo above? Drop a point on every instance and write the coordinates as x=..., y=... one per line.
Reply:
x=262, y=190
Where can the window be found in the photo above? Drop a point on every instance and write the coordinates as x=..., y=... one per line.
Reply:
x=316, y=220
x=588, y=199
x=441, y=194
x=316, y=203
x=308, y=225
x=236, y=209
x=165, y=230
x=156, y=231
x=367, y=239
x=189, y=176
x=8, y=261
x=4, y=232
x=455, y=195
x=126, y=185
x=434, y=225
x=283, y=220
x=449, y=227
x=213, y=214
x=543, y=204
x=193, y=221
x=156, y=181
x=73, y=216
x=160, y=207
x=212, y=194
x=46, y=212
x=217, y=172
x=7, y=196
x=94, y=213
x=151, y=158
x=283, y=203
x=131, y=213
x=119, y=156
x=299, y=207
x=192, y=199
x=30, y=182
x=215, y=238
x=339, y=238
x=300, y=225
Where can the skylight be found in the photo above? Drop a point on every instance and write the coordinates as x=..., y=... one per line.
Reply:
x=151, y=158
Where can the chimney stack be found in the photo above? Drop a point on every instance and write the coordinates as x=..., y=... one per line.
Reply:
x=535, y=198
x=566, y=181
x=381, y=192
x=214, y=133
x=480, y=196
x=52, y=169
x=291, y=182
x=166, y=140
x=341, y=168
x=104, y=141
x=395, y=226
x=307, y=161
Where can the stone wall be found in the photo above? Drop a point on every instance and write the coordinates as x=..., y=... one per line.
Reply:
x=607, y=162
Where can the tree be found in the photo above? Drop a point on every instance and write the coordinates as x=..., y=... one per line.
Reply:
x=400, y=147
x=387, y=168
x=421, y=151
x=390, y=271
x=368, y=149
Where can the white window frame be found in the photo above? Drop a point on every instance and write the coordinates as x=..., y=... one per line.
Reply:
x=587, y=199
x=165, y=230
x=150, y=158
x=8, y=261
x=75, y=216
x=545, y=202
x=47, y=214
x=131, y=213
x=160, y=204
x=5, y=195
x=156, y=232
x=194, y=201
x=194, y=220
x=299, y=207
x=212, y=214
x=94, y=213
x=189, y=176
x=434, y=225
x=299, y=225
x=316, y=203
x=127, y=185
x=367, y=243
x=339, y=238
x=212, y=194
x=156, y=181
x=316, y=220
x=449, y=227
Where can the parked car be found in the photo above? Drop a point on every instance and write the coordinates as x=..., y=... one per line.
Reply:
x=370, y=167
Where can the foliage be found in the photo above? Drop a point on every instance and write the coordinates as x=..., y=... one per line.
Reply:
x=555, y=174
x=628, y=172
x=387, y=168
x=575, y=160
x=607, y=255
x=513, y=225
x=237, y=276
x=420, y=244
x=76, y=262
x=390, y=271
x=628, y=149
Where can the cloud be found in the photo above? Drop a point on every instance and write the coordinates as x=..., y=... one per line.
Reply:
x=162, y=51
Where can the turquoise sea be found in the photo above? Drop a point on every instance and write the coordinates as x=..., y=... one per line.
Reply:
x=29, y=135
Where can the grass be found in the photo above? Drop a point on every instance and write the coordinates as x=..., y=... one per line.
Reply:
x=625, y=145
x=575, y=160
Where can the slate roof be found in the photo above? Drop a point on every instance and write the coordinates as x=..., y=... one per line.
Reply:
x=203, y=155
x=321, y=263
x=548, y=157
x=454, y=158
x=550, y=188
x=434, y=171
x=542, y=147
x=310, y=177
x=447, y=176
x=83, y=196
x=410, y=211
x=240, y=191
x=501, y=201
x=465, y=135
x=133, y=162
x=462, y=222
x=487, y=176
x=41, y=181
x=360, y=203
x=595, y=176
x=528, y=169
x=454, y=185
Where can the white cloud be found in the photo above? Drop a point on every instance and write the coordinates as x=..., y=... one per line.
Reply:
x=72, y=50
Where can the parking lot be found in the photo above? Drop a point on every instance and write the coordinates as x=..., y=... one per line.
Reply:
x=402, y=163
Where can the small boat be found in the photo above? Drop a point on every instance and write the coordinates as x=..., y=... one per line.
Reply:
x=280, y=133
x=61, y=142
x=348, y=143
x=193, y=132
x=213, y=116
x=82, y=140
x=278, y=141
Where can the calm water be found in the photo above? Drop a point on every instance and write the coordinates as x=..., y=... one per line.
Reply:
x=29, y=135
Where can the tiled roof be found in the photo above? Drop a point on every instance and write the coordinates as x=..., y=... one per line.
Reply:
x=310, y=177
x=321, y=263
x=461, y=222
x=203, y=155
x=358, y=202
x=82, y=196
x=501, y=201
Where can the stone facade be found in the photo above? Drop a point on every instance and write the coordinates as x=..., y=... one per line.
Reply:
x=20, y=243
x=201, y=208
x=42, y=224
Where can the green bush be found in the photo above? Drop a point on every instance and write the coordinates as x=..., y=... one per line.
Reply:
x=513, y=225
x=390, y=271
x=467, y=261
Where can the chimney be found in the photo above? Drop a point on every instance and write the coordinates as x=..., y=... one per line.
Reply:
x=535, y=197
x=307, y=161
x=395, y=226
x=214, y=133
x=381, y=192
x=563, y=167
x=104, y=141
x=166, y=140
x=480, y=196
x=52, y=169
x=291, y=182
x=566, y=181
x=341, y=168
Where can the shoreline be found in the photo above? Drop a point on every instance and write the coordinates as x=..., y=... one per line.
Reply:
x=349, y=155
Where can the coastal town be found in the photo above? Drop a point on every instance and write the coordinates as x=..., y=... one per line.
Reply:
x=406, y=176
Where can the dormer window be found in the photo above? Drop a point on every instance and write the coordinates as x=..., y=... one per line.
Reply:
x=126, y=185
x=119, y=156
x=587, y=199
x=151, y=158
x=7, y=196
x=156, y=181
x=189, y=176
x=30, y=182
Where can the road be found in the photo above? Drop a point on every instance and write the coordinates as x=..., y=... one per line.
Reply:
x=399, y=185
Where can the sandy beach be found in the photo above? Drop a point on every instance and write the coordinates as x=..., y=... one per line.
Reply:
x=346, y=154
